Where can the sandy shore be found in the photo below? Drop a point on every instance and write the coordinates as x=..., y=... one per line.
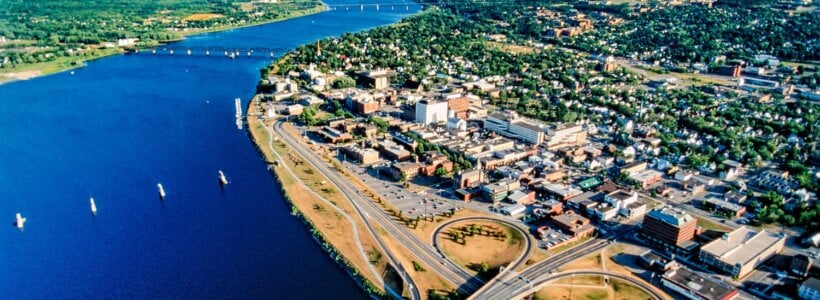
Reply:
x=22, y=75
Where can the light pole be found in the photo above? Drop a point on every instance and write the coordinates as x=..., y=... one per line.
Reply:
x=425, y=208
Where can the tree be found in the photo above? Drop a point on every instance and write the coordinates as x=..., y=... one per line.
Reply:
x=307, y=117
x=697, y=160
x=788, y=219
x=343, y=82
x=420, y=148
x=484, y=268
x=440, y=172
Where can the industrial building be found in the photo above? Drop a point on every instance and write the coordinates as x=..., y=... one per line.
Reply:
x=738, y=252
x=697, y=287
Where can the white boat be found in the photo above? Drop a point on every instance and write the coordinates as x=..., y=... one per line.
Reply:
x=222, y=178
x=161, y=191
x=20, y=221
x=93, y=206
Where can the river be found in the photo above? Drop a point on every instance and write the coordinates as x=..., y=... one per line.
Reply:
x=118, y=126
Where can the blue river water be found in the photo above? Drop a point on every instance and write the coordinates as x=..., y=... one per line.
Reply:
x=118, y=126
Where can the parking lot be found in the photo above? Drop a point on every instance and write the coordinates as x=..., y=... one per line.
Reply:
x=412, y=202
x=551, y=236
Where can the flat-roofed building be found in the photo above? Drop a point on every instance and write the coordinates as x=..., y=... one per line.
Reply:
x=561, y=191
x=693, y=285
x=405, y=169
x=574, y=224
x=477, y=112
x=469, y=177
x=801, y=265
x=361, y=103
x=458, y=106
x=646, y=178
x=377, y=79
x=603, y=211
x=670, y=229
x=513, y=210
x=633, y=210
x=431, y=111
x=621, y=198
x=393, y=152
x=510, y=124
x=653, y=261
x=633, y=167
x=522, y=197
x=738, y=252
x=494, y=192
x=334, y=136
x=294, y=109
x=527, y=130
x=577, y=202
x=809, y=289
x=729, y=208
x=564, y=135
x=364, y=156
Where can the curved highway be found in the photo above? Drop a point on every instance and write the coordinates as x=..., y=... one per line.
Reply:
x=537, y=284
x=514, y=264
x=369, y=210
x=502, y=287
x=414, y=293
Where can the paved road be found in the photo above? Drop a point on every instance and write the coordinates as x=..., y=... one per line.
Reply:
x=504, y=287
x=369, y=210
x=536, y=285
x=414, y=293
x=514, y=264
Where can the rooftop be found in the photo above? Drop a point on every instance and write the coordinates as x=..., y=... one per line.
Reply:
x=620, y=195
x=575, y=223
x=812, y=283
x=724, y=204
x=527, y=124
x=742, y=245
x=698, y=284
x=645, y=175
x=672, y=216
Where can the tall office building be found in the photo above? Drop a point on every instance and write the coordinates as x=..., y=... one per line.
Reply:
x=431, y=111
x=670, y=229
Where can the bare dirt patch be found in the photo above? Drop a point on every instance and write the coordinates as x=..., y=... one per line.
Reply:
x=202, y=17
x=481, y=246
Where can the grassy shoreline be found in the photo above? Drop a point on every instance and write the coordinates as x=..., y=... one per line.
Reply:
x=326, y=227
x=66, y=63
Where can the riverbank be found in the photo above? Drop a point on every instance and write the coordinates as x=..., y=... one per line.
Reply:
x=66, y=63
x=326, y=213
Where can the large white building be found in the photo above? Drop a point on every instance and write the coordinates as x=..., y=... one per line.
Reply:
x=565, y=135
x=509, y=124
x=431, y=111
x=740, y=251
